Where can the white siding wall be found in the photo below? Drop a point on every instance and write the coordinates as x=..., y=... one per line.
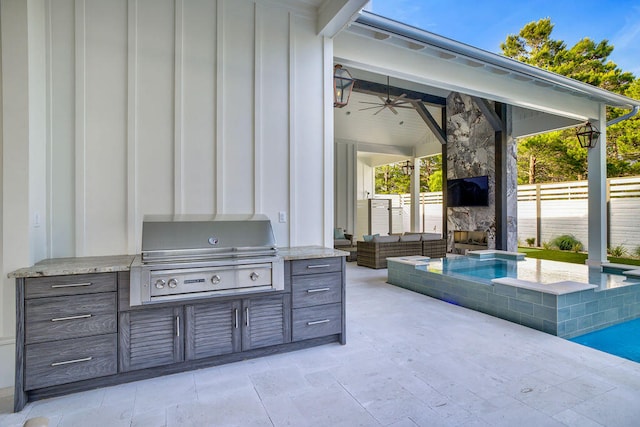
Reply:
x=140, y=107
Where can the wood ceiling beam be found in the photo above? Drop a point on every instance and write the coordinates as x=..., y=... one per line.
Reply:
x=372, y=88
x=431, y=123
x=494, y=120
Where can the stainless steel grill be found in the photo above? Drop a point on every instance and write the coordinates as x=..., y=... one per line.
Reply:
x=193, y=257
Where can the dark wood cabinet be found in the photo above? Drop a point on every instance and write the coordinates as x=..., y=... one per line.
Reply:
x=150, y=337
x=153, y=337
x=79, y=332
x=318, y=298
x=212, y=329
x=66, y=330
x=266, y=321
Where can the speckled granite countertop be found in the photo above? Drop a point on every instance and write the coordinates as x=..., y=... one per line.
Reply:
x=83, y=265
x=109, y=264
x=307, y=252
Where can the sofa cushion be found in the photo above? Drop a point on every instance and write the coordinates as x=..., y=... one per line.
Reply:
x=369, y=237
x=385, y=239
x=410, y=238
x=431, y=236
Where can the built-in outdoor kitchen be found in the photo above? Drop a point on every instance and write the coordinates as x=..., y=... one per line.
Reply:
x=203, y=291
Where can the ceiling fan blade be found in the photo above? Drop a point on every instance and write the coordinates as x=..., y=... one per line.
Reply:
x=379, y=110
x=404, y=106
x=392, y=109
x=369, y=108
x=366, y=102
x=384, y=101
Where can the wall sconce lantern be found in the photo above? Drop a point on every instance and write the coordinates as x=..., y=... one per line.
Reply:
x=342, y=86
x=407, y=167
x=587, y=135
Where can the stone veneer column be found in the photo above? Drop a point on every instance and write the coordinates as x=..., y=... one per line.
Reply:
x=471, y=151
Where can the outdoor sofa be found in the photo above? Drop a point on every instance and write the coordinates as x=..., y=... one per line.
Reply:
x=374, y=253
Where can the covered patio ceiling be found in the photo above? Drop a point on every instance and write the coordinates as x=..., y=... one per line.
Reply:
x=382, y=135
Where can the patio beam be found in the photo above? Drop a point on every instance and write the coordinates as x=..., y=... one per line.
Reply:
x=492, y=117
x=430, y=122
x=373, y=88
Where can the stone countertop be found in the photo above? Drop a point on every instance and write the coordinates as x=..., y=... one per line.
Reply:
x=307, y=252
x=109, y=264
x=68, y=266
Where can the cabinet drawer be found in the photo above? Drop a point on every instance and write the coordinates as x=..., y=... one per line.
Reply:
x=70, y=285
x=317, y=321
x=316, y=265
x=49, y=319
x=76, y=359
x=317, y=289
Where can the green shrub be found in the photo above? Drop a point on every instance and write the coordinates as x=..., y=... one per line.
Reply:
x=577, y=247
x=617, y=251
x=547, y=245
x=566, y=242
x=530, y=241
x=636, y=252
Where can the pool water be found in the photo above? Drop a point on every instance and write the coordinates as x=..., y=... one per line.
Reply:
x=622, y=340
x=534, y=270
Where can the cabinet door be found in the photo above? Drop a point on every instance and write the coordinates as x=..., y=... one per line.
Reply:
x=212, y=329
x=150, y=337
x=266, y=321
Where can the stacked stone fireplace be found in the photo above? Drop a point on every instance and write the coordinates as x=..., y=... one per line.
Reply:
x=475, y=148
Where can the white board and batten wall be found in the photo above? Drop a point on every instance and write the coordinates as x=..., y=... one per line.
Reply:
x=139, y=107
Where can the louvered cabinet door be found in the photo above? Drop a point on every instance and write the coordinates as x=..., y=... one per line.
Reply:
x=212, y=329
x=266, y=321
x=151, y=337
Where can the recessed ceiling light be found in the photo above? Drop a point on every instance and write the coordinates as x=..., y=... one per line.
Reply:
x=348, y=113
x=401, y=123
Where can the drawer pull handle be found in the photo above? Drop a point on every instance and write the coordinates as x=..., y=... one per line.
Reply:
x=318, y=290
x=81, y=316
x=317, y=322
x=71, y=285
x=319, y=266
x=68, y=362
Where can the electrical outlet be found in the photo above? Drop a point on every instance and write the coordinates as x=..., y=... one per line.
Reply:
x=282, y=216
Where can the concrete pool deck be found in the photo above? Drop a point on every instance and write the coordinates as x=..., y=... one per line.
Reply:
x=566, y=308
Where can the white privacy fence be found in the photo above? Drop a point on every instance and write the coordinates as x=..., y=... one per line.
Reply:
x=546, y=211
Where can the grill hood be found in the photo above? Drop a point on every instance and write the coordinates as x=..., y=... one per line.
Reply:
x=189, y=237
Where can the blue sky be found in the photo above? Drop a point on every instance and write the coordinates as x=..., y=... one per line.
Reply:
x=486, y=23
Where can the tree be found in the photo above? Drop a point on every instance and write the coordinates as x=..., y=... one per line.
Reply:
x=391, y=179
x=556, y=156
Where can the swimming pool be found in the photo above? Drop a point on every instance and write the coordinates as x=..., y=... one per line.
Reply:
x=622, y=340
x=562, y=299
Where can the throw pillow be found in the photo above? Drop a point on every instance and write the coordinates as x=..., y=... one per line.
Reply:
x=338, y=233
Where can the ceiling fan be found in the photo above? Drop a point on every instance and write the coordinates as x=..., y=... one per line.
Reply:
x=391, y=104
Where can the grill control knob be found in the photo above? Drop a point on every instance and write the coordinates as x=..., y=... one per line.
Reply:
x=215, y=279
x=173, y=283
x=160, y=283
x=254, y=276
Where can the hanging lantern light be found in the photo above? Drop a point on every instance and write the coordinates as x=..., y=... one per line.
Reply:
x=587, y=135
x=407, y=167
x=342, y=86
